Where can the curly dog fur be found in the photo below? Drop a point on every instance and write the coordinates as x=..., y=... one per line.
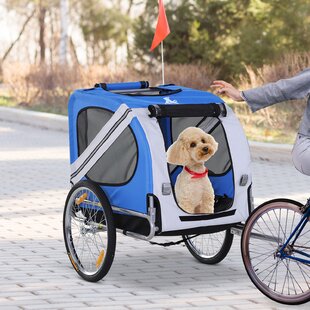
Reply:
x=192, y=149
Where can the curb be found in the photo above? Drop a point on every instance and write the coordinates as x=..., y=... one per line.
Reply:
x=259, y=150
x=271, y=152
x=35, y=119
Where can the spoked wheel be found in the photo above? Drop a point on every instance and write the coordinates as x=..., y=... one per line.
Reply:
x=210, y=248
x=89, y=231
x=284, y=280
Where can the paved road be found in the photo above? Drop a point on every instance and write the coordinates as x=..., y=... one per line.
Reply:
x=36, y=273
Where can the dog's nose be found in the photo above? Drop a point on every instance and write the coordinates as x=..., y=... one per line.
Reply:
x=205, y=149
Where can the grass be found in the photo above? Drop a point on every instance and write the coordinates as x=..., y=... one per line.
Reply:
x=258, y=129
x=261, y=134
x=62, y=110
x=10, y=102
x=7, y=101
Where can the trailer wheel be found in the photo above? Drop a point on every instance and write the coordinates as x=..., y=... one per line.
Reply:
x=210, y=248
x=89, y=231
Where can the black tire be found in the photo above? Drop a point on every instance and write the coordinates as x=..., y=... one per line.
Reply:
x=88, y=218
x=214, y=249
x=264, y=233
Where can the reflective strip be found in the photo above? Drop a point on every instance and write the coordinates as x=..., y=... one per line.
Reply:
x=100, y=144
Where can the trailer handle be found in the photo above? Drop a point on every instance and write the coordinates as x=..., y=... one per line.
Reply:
x=187, y=110
x=123, y=86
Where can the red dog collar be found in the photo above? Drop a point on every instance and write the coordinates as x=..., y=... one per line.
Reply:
x=196, y=175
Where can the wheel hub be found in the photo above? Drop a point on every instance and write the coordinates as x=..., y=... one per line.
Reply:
x=83, y=230
x=288, y=250
x=90, y=229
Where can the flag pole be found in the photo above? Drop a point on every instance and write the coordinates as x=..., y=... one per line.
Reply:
x=162, y=62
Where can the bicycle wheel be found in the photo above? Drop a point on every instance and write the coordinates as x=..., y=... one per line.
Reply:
x=89, y=231
x=210, y=248
x=284, y=280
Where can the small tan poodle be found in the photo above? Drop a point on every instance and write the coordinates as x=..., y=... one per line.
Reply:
x=193, y=189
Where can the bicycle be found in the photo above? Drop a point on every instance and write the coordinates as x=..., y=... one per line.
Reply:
x=275, y=247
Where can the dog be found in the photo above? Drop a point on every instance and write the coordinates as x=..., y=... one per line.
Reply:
x=193, y=189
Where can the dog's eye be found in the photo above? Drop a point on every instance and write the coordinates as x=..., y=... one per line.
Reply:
x=203, y=141
x=193, y=144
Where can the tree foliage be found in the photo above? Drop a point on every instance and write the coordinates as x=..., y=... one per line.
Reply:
x=102, y=28
x=229, y=34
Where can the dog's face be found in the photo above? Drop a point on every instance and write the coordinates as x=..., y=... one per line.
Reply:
x=192, y=146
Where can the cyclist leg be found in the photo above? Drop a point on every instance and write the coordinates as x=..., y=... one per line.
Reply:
x=301, y=154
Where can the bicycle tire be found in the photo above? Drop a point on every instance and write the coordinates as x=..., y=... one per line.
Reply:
x=271, y=212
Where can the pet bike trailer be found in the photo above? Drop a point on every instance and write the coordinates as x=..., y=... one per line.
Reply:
x=119, y=135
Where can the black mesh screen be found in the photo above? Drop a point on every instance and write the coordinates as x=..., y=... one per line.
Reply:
x=117, y=164
x=178, y=124
x=218, y=164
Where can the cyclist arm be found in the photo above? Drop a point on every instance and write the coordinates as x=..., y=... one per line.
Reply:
x=297, y=87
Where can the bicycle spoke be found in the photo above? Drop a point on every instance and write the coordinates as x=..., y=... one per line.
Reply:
x=279, y=222
x=303, y=274
x=293, y=226
x=292, y=276
x=269, y=228
x=270, y=266
x=302, y=266
x=275, y=283
x=285, y=225
x=263, y=233
x=273, y=226
x=301, y=235
x=277, y=263
x=265, y=256
x=284, y=281
x=261, y=254
x=90, y=250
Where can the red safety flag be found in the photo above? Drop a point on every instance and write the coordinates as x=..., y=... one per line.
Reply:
x=162, y=28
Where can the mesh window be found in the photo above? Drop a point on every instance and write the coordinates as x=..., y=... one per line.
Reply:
x=220, y=163
x=118, y=163
x=178, y=124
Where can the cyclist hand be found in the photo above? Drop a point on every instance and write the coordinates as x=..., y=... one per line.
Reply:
x=227, y=89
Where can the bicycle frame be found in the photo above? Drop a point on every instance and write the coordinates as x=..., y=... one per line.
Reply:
x=297, y=231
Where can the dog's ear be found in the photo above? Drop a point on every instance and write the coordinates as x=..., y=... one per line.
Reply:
x=177, y=153
x=214, y=145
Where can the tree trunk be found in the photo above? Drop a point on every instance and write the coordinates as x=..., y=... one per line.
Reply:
x=63, y=47
x=42, y=13
x=73, y=52
x=127, y=32
x=7, y=52
x=52, y=38
x=1, y=71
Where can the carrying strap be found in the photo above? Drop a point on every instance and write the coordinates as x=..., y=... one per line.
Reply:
x=100, y=144
x=174, y=243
